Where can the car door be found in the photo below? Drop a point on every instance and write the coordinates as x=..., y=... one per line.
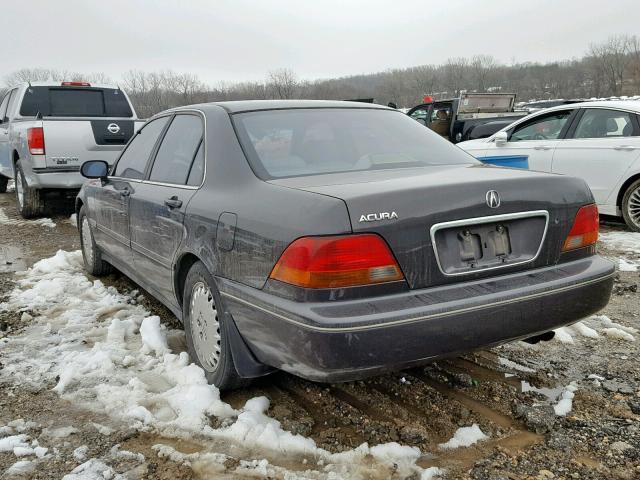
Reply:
x=159, y=203
x=530, y=143
x=601, y=145
x=6, y=167
x=110, y=206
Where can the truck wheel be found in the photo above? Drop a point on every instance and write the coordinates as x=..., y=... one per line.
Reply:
x=207, y=341
x=29, y=202
x=91, y=254
x=631, y=206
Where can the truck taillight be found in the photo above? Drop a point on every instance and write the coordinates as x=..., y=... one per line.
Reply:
x=35, y=140
x=584, y=231
x=337, y=261
x=75, y=84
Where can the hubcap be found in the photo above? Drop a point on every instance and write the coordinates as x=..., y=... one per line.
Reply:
x=633, y=207
x=205, y=327
x=19, y=188
x=87, y=244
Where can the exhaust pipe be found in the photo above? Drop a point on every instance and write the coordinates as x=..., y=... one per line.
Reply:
x=543, y=337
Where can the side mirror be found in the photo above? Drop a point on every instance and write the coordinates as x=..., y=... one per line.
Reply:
x=95, y=169
x=501, y=139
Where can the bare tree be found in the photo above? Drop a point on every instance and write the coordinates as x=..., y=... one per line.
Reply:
x=482, y=67
x=282, y=83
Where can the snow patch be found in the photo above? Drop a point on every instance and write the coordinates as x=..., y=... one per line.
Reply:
x=21, y=467
x=505, y=362
x=465, y=437
x=43, y=222
x=564, y=406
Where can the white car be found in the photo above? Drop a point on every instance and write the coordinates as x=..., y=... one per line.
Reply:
x=596, y=141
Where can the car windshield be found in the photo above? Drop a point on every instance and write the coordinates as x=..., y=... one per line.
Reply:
x=301, y=142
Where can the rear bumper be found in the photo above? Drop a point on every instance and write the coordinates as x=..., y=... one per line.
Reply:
x=347, y=340
x=59, y=179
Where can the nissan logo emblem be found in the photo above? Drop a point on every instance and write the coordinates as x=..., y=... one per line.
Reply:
x=113, y=128
x=493, y=199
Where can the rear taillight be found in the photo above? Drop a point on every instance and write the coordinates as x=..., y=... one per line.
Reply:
x=35, y=140
x=585, y=229
x=337, y=261
x=75, y=84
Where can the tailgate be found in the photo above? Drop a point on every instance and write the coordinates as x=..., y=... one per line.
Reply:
x=70, y=142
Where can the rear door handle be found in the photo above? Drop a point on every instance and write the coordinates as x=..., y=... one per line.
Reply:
x=542, y=147
x=173, y=202
x=125, y=192
x=625, y=147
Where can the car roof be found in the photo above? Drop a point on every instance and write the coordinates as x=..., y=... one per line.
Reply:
x=633, y=105
x=254, y=105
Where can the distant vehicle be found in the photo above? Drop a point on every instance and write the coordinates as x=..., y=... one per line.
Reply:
x=48, y=129
x=471, y=116
x=596, y=141
x=532, y=107
x=337, y=240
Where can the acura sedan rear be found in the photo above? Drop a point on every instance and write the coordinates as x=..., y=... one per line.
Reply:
x=337, y=240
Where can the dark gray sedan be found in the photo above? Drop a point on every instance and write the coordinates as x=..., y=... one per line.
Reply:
x=337, y=240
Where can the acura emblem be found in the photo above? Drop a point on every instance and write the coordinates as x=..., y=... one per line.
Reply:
x=113, y=127
x=493, y=199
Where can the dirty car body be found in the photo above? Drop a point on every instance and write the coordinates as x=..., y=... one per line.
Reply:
x=295, y=200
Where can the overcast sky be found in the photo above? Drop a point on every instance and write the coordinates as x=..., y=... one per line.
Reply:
x=234, y=40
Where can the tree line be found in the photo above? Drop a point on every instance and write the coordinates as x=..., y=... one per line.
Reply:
x=609, y=68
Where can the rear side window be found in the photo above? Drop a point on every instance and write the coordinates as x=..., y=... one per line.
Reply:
x=75, y=102
x=177, y=151
x=3, y=106
x=12, y=102
x=133, y=161
x=597, y=123
x=197, y=169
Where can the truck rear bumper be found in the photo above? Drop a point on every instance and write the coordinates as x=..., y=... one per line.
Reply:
x=55, y=178
x=347, y=340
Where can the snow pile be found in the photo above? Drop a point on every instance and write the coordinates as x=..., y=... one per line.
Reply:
x=465, y=437
x=432, y=473
x=73, y=220
x=21, y=467
x=594, y=327
x=627, y=242
x=564, y=406
x=44, y=222
x=101, y=350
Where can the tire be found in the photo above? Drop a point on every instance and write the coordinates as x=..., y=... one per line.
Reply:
x=207, y=339
x=28, y=199
x=631, y=206
x=91, y=254
x=3, y=183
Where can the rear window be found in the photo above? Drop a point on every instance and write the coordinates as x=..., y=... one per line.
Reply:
x=301, y=142
x=75, y=102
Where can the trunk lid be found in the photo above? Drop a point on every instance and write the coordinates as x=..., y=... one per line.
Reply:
x=408, y=208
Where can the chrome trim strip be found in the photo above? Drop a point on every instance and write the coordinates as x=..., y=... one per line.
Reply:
x=489, y=219
x=423, y=317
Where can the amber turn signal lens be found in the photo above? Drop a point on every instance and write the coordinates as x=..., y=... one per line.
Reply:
x=337, y=261
x=585, y=229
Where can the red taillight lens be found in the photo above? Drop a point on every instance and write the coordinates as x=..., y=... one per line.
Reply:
x=585, y=229
x=338, y=261
x=35, y=140
x=75, y=84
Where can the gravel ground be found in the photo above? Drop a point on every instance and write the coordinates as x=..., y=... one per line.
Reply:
x=509, y=392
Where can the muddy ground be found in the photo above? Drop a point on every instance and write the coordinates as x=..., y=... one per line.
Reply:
x=422, y=407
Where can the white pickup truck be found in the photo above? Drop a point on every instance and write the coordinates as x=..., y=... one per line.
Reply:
x=47, y=130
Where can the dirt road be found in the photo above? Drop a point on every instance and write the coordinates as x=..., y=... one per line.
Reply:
x=517, y=395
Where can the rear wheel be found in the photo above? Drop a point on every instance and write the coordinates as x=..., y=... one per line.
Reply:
x=91, y=254
x=207, y=340
x=631, y=206
x=30, y=203
x=3, y=183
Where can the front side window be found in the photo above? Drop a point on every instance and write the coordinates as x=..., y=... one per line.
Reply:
x=544, y=127
x=600, y=123
x=133, y=160
x=177, y=151
x=301, y=142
